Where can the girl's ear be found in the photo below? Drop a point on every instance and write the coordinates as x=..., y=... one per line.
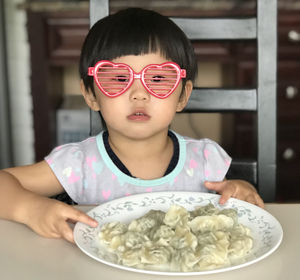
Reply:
x=89, y=97
x=185, y=96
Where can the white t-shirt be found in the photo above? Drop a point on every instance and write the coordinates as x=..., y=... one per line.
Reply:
x=89, y=176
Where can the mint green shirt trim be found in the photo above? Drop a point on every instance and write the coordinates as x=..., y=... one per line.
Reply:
x=141, y=182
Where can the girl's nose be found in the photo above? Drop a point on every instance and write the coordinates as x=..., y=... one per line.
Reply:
x=138, y=91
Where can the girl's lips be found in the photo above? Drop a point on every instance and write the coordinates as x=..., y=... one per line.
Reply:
x=138, y=116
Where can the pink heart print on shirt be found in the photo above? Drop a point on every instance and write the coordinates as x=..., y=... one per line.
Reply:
x=58, y=148
x=206, y=173
x=106, y=194
x=90, y=160
x=49, y=161
x=70, y=174
x=206, y=153
x=92, y=139
x=195, y=150
x=227, y=162
x=73, y=178
x=193, y=164
x=172, y=182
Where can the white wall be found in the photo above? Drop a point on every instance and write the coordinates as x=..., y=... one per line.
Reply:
x=19, y=82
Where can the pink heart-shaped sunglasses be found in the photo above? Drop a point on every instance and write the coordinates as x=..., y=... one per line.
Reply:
x=113, y=79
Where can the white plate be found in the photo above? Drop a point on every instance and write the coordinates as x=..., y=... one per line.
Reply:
x=266, y=230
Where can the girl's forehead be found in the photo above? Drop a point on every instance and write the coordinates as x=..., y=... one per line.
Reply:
x=137, y=62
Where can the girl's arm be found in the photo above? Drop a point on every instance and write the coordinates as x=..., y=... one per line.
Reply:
x=24, y=198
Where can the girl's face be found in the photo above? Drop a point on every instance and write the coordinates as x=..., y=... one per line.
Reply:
x=136, y=113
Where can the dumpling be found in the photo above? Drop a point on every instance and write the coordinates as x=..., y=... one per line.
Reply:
x=183, y=238
x=240, y=230
x=176, y=215
x=232, y=213
x=110, y=230
x=206, y=210
x=211, y=223
x=130, y=257
x=135, y=240
x=240, y=246
x=213, y=255
x=163, y=235
x=142, y=224
x=185, y=259
x=152, y=219
x=156, y=255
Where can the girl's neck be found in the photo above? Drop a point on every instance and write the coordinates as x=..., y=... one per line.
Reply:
x=146, y=158
x=139, y=148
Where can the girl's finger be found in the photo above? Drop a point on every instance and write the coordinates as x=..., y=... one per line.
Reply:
x=251, y=199
x=260, y=202
x=66, y=232
x=78, y=216
x=214, y=186
x=226, y=194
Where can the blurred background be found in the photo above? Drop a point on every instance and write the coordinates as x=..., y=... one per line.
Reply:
x=40, y=102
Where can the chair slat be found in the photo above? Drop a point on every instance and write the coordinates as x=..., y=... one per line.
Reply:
x=218, y=28
x=214, y=100
x=267, y=98
x=98, y=9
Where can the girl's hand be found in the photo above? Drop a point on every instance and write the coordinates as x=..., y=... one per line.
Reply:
x=49, y=218
x=239, y=189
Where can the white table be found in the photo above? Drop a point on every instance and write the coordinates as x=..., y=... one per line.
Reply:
x=26, y=256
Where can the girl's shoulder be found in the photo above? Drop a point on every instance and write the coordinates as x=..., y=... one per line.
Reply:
x=209, y=154
x=206, y=148
x=75, y=150
x=199, y=143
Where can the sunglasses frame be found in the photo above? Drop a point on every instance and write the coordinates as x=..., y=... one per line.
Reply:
x=93, y=71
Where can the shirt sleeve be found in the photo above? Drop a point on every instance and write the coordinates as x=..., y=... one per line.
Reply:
x=67, y=163
x=216, y=161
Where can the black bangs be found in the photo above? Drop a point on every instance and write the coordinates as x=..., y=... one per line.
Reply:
x=129, y=38
x=136, y=31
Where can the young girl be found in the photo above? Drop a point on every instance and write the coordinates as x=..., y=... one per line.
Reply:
x=137, y=68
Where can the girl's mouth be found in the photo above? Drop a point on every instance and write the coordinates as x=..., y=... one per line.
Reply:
x=138, y=116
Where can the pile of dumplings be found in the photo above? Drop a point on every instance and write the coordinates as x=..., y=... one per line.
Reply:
x=179, y=240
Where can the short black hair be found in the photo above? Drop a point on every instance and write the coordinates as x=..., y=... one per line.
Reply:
x=136, y=31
